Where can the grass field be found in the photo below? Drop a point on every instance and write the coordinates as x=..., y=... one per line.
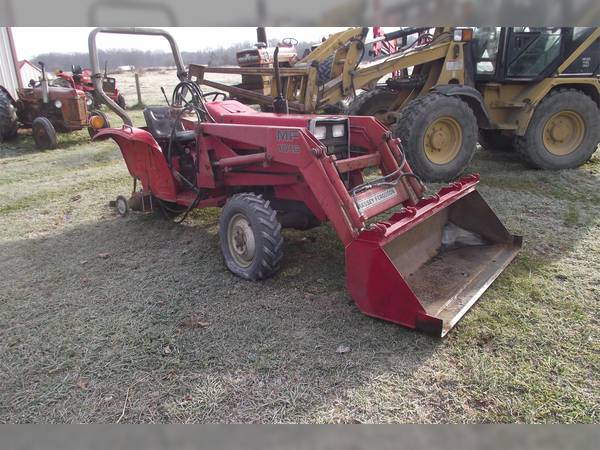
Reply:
x=107, y=319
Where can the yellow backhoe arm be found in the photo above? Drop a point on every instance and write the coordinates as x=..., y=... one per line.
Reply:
x=367, y=73
x=334, y=43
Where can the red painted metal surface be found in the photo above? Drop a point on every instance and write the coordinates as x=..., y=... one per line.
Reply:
x=83, y=82
x=244, y=150
x=144, y=159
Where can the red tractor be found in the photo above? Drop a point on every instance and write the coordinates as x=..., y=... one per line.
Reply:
x=43, y=107
x=422, y=265
x=81, y=79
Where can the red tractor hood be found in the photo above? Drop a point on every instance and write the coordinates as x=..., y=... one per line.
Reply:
x=231, y=111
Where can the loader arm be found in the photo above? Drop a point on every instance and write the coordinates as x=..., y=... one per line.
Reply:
x=367, y=73
x=334, y=43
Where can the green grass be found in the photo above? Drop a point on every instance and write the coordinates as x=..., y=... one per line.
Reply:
x=93, y=310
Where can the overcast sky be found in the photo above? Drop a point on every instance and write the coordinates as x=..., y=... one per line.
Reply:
x=34, y=41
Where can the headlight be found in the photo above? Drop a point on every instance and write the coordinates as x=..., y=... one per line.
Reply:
x=58, y=104
x=320, y=132
x=88, y=101
x=338, y=130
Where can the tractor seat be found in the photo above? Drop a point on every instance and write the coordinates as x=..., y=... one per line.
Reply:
x=160, y=124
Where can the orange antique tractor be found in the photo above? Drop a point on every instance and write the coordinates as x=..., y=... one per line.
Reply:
x=45, y=109
x=413, y=259
x=261, y=56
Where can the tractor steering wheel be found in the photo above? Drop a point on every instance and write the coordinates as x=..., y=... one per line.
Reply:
x=215, y=95
x=289, y=42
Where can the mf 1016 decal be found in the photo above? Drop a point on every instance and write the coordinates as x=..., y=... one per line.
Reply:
x=285, y=141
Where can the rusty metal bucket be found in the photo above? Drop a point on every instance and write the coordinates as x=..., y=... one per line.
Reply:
x=425, y=267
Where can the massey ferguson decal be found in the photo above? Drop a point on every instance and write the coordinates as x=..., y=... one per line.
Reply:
x=285, y=141
x=375, y=199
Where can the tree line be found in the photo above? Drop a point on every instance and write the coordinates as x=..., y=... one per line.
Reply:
x=116, y=58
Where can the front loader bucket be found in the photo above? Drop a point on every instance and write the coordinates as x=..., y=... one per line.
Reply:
x=426, y=266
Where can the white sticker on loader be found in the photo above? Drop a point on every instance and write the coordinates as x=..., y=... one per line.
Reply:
x=454, y=65
x=375, y=199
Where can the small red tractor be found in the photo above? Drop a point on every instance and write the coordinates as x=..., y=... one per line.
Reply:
x=81, y=79
x=45, y=108
x=422, y=265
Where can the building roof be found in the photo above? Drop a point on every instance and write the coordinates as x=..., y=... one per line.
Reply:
x=26, y=61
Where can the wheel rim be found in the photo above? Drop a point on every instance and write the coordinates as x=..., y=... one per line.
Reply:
x=41, y=137
x=240, y=239
x=563, y=133
x=442, y=140
x=122, y=206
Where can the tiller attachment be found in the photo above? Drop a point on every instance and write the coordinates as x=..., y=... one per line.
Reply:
x=426, y=266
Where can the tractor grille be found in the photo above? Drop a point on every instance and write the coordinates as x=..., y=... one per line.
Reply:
x=74, y=113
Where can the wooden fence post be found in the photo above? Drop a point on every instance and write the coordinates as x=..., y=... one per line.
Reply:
x=138, y=90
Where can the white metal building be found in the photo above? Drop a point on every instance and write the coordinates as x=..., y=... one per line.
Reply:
x=9, y=77
x=29, y=71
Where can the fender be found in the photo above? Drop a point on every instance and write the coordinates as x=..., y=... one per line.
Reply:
x=144, y=159
x=469, y=95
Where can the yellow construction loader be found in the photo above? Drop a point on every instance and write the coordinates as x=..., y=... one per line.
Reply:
x=535, y=89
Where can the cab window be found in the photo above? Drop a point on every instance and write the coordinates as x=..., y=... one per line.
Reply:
x=486, y=48
x=532, y=49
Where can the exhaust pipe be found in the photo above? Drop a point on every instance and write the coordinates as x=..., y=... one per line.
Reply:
x=44, y=83
x=261, y=35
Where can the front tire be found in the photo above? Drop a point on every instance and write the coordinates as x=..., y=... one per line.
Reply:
x=250, y=237
x=44, y=134
x=439, y=136
x=563, y=132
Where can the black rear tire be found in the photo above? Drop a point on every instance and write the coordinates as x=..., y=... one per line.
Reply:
x=538, y=148
x=121, y=101
x=335, y=109
x=44, y=134
x=250, y=237
x=167, y=210
x=375, y=102
x=496, y=141
x=8, y=117
x=324, y=71
x=421, y=119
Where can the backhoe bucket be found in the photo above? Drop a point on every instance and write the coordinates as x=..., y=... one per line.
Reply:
x=427, y=265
